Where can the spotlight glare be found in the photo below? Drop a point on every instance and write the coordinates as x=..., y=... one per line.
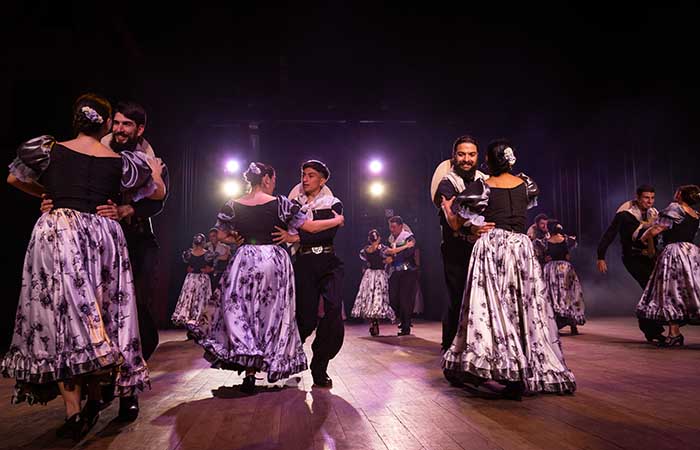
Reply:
x=232, y=166
x=231, y=188
x=376, y=189
x=375, y=166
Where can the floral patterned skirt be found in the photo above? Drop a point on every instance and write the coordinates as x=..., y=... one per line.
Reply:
x=673, y=291
x=250, y=321
x=507, y=329
x=77, y=311
x=565, y=292
x=372, y=301
x=195, y=294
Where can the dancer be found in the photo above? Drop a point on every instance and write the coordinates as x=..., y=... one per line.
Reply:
x=632, y=219
x=318, y=272
x=507, y=330
x=403, y=280
x=560, y=279
x=372, y=301
x=196, y=290
x=450, y=179
x=77, y=320
x=672, y=295
x=128, y=127
x=251, y=325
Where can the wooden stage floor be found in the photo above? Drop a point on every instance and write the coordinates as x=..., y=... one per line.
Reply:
x=390, y=394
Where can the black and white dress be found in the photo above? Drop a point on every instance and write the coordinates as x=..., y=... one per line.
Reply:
x=673, y=291
x=196, y=290
x=77, y=311
x=372, y=300
x=250, y=322
x=563, y=286
x=507, y=330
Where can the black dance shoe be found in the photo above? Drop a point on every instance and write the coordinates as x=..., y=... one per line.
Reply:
x=454, y=378
x=514, y=390
x=75, y=427
x=374, y=328
x=404, y=332
x=128, y=408
x=675, y=340
x=248, y=385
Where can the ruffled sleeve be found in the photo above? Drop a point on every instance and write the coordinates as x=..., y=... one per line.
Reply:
x=532, y=190
x=33, y=157
x=672, y=215
x=472, y=201
x=226, y=219
x=187, y=255
x=363, y=254
x=136, y=176
x=290, y=213
x=571, y=242
x=540, y=246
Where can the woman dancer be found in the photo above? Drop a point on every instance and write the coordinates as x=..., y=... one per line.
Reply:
x=507, y=330
x=372, y=300
x=560, y=279
x=250, y=326
x=672, y=295
x=196, y=290
x=76, y=321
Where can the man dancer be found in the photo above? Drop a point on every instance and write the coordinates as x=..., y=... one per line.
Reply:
x=458, y=236
x=223, y=255
x=318, y=272
x=403, y=281
x=538, y=232
x=631, y=220
x=128, y=125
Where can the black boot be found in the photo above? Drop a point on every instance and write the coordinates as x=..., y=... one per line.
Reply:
x=322, y=380
x=128, y=408
x=319, y=374
x=91, y=412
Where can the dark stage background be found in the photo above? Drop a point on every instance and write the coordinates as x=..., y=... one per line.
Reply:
x=595, y=102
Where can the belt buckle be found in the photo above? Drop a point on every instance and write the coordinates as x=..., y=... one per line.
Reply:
x=317, y=250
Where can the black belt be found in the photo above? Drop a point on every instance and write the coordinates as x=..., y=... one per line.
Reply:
x=316, y=250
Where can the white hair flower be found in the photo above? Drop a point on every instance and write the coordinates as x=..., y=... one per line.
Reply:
x=509, y=156
x=92, y=115
x=253, y=168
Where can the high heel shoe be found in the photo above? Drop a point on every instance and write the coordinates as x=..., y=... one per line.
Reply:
x=374, y=328
x=675, y=340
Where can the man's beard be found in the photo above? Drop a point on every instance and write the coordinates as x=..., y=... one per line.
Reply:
x=466, y=174
x=129, y=145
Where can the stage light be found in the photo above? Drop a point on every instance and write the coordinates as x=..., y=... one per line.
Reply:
x=232, y=166
x=375, y=166
x=231, y=188
x=376, y=189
